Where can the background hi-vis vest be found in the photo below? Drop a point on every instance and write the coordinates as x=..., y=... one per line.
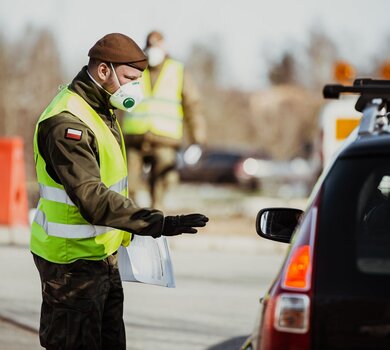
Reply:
x=59, y=233
x=161, y=111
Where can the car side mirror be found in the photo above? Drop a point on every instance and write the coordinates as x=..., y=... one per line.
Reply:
x=277, y=224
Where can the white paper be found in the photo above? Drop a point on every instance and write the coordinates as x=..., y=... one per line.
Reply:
x=147, y=260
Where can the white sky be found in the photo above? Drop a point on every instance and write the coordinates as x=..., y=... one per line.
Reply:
x=244, y=31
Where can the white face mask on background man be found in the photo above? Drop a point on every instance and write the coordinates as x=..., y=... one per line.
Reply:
x=128, y=95
x=155, y=55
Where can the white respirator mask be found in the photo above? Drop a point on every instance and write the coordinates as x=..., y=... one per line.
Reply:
x=127, y=97
x=155, y=55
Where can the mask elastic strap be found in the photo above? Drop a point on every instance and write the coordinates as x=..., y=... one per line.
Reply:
x=116, y=77
x=98, y=83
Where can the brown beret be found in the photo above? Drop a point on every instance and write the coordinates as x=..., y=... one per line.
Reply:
x=119, y=48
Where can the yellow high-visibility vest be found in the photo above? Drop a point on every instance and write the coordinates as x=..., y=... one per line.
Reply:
x=59, y=233
x=161, y=111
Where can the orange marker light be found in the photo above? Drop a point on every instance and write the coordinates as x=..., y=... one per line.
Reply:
x=344, y=73
x=385, y=70
x=298, y=268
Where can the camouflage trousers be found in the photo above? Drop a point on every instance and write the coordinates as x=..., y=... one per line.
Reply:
x=162, y=174
x=82, y=305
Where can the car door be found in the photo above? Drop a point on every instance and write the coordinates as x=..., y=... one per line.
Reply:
x=351, y=307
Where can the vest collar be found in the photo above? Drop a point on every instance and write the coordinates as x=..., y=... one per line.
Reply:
x=95, y=97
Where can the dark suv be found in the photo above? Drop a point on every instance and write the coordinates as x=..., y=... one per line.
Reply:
x=333, y=289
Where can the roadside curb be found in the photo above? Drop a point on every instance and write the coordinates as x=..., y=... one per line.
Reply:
x=20, y=236
x=228, y=243
x=17, y=235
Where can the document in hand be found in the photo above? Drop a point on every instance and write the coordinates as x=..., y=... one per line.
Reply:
x=147, y=260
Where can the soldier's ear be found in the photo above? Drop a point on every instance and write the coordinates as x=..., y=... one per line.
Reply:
x=103, y=71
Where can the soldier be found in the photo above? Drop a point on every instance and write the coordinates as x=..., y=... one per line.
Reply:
x=153, y=131
x=84, y=215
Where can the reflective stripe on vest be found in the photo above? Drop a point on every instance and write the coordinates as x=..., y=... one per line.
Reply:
x=58, y=195
x=69, y=231
x=161, y=111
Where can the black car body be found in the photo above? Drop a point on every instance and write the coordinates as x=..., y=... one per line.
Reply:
x=333, y=289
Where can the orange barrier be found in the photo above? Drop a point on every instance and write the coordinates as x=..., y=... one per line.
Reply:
x=13, y=193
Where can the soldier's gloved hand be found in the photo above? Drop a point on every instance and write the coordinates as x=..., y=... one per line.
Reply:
x=176, y=225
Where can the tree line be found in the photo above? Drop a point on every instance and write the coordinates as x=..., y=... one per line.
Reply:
x=280, y=120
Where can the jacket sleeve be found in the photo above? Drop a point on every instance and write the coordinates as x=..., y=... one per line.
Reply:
x=194, y=121
x=75, y=165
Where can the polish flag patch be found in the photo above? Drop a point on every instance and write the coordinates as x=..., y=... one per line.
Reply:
x=73, y=134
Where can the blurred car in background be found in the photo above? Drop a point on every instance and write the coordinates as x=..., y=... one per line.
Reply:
x=217, y=165
x=249, y=170
x=288, y=178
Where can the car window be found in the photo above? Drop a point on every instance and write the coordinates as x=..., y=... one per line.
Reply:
x=373, y=238
x=353, y=238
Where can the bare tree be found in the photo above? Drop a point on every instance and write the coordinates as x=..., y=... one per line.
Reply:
x=284, y=71
x=202, y=63
x=30, y=71
x=322, y=53
x=285, y=120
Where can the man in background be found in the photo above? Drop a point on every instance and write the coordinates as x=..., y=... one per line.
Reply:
x=153, y=131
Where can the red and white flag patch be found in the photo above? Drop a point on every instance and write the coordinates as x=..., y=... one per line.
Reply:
x=73, y=134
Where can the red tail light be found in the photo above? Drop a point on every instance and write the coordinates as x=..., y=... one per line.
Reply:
x=287, y=309
x=298, y=269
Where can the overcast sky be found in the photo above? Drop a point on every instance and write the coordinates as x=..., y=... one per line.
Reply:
x=244, y=31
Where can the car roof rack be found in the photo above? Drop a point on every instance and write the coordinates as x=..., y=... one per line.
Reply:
x=374, y=97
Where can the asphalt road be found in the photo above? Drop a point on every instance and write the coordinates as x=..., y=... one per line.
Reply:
x=220, y=274
x=215, y=301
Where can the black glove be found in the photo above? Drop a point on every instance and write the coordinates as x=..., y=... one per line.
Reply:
x=176, y=225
